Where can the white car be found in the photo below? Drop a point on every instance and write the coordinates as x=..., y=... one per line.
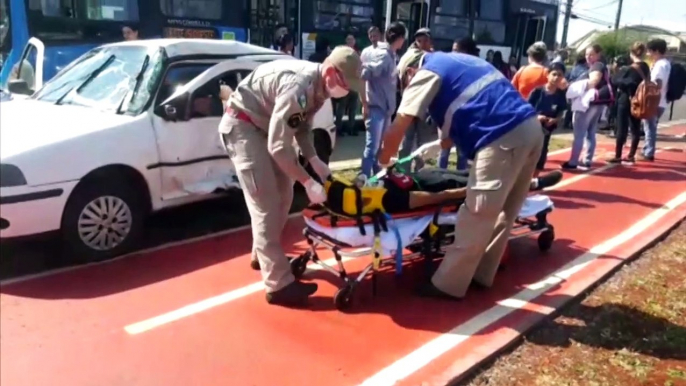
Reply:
x=125, y=130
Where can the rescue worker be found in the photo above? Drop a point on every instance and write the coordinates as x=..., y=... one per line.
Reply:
x=476, y=108
x=266, y=112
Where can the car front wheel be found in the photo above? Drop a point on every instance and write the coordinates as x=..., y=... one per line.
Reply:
x=102, y=219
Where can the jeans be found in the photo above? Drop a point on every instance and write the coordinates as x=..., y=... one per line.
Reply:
x=585, y=127
x=445, y=154
x=416, y=135
x=625, y=123
x=346, y=105
x=650, y=128
x=377, y=123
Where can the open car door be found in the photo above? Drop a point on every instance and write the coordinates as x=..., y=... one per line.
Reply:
x=192, y=159
x=27, y=74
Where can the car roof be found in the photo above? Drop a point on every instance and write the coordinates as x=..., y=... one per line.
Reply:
x=193, y=47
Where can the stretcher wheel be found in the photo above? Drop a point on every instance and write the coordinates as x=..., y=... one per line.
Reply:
x=299, y=265
x=343, y=298
x=546, y=238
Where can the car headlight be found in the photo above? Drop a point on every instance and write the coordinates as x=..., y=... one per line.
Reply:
x=10, y=175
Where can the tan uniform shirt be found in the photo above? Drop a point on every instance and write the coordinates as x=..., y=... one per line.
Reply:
x=281, y=98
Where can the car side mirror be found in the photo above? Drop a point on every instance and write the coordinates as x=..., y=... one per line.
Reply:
x=173, y=109
x=170, y=112
x=19, y=86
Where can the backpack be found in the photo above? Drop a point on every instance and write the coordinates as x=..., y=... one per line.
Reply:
x=676, y=84
x=646, y=100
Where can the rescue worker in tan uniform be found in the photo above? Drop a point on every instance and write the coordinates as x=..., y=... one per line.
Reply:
x=265, y=114
x=477, y=109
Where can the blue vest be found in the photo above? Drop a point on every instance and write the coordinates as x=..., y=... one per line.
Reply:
x=476, y=103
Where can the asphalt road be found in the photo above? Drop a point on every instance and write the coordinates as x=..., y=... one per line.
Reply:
x=24, y=258
x=34, y=256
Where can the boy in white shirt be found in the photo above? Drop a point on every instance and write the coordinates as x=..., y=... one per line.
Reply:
x=659, y=74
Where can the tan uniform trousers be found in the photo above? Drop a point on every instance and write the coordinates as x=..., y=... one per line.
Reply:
x=268, y=195
x=498, y=184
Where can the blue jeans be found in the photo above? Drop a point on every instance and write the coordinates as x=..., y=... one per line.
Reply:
x=650, y=128
x=585, y=127
x=445, y=154
x=377, y=123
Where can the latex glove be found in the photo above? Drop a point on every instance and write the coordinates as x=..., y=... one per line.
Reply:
x=320, y=168
x=315, y=191
x=430, y=150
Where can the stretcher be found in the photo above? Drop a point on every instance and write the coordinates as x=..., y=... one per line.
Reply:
x=421, y=234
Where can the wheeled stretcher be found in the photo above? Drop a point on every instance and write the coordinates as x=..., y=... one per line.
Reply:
x=394, y=239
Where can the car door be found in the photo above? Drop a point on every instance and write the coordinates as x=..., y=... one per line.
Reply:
x=192, y=158
x=27, y=74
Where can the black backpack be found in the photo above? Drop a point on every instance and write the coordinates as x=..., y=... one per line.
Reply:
x=676, y=85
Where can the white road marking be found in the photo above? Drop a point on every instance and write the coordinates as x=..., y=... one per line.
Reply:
x=204, y=305
x=430, y=351
x=215, y=301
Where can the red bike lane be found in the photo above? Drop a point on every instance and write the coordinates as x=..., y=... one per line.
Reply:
x=195, y=313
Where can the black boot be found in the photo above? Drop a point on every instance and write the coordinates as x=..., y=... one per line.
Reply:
x=294, y=294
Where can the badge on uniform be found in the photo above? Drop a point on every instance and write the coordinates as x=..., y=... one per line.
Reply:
x=295, y=120
x=302, y=101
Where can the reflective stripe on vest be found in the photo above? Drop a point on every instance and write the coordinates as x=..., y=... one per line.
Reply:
x=470, y=92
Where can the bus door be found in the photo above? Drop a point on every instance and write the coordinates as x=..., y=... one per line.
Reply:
x=531, y=29
x=26, y=76
x=413, y=13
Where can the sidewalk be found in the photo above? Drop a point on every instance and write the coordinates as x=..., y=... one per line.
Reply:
x=348, y=149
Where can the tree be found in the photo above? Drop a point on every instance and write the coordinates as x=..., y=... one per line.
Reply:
x=619, y=42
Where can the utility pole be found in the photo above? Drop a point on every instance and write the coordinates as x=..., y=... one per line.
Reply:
x=565, y=28
x=619, y=15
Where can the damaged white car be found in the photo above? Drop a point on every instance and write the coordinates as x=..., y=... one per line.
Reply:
x=126, y=130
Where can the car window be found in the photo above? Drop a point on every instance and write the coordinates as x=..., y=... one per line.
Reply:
x=177, y=76
x=206, y=101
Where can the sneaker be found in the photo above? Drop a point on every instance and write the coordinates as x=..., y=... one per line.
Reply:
x=294, y=294
x=629, y=160
x=614, y=160
x=548, y=180
x=647, y=158
x=568, y=166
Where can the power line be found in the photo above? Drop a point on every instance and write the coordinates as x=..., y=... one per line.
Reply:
x=601, y=6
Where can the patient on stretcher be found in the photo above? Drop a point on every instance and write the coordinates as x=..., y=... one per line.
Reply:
x=400, y=193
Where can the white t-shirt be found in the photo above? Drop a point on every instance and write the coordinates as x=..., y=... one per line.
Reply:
x=660, y=71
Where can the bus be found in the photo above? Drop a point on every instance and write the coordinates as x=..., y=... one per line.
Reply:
x=49, y=34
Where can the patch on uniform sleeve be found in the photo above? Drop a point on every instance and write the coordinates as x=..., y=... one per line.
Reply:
x=295, y=120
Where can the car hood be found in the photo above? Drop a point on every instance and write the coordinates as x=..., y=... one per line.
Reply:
x=26, y=125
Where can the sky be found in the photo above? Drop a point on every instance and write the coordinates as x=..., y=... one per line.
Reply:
x=667, y=14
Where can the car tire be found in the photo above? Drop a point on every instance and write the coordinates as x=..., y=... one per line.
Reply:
x=111, y=208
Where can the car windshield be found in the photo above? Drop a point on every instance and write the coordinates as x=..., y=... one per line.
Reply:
x=119, y=79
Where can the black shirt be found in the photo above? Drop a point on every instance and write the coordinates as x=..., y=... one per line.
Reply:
x=547, y=104
x=627, y=79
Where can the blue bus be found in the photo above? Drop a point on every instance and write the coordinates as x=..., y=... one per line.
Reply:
x=48, y=34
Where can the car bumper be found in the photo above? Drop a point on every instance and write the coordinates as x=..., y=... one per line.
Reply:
x=26, y=211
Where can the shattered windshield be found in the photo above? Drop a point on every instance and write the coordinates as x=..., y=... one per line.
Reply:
x=105, y=78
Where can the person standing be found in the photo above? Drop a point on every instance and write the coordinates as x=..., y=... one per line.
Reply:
x=379, y=72
x=421, y=131
x=533, y=75
x=465, y=46
x=129, y=32
x=479, y=110
x=550, y=102
x=626, y=80
x=660, y=75
x=585, y=122
x=349, y=104
x=499, y=63
x=269, y=110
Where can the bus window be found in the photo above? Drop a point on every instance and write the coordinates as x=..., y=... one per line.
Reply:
x=192, y=9
x=72, y=20
x=333, y=15
x=5, y=34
